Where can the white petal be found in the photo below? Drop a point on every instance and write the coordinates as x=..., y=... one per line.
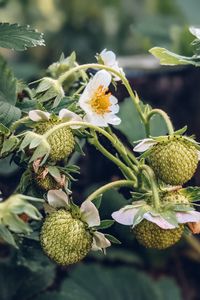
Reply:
x=114, y=108
x=113, y=99
x=95, y=120
x=108, y=57
x=195, y=31
x=144, y=145
x=68, y=116
x=38, y=115
x=57, y=198
x=90, y=213
x=158, y=220
x=125, y=215
x=189, y=216
x=101, y=78
x=112, y=119
x=100, y=241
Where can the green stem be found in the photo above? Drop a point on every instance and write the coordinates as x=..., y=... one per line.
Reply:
x=63, y=77
x=128, y=157
x=18, y=123
x=165, y=118
x=109, y=186
x=152, y=180
x=126, y=171
x=114, y=141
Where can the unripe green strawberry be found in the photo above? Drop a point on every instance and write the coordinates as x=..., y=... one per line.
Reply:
x=151, y=235
x=61, y=141
x=47, y=183
x=65, y=239
x=174, y=198
x=174, y=160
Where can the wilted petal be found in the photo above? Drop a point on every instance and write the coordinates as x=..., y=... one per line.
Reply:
x=194, y=227
x=38, y=115
x=189, y=216
x=144, y=145
x=90, y=213
x=158, y=220
x=100, y=242
x=68, y=116
x=125, y=215
x=57, y=198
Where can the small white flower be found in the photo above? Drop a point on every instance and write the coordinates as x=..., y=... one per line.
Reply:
x=126, y=215
x=109, y=59
x=64, y=114
x=99, y=105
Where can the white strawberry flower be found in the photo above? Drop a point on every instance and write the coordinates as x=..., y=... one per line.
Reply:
x=89, y=214
x=127, y=214
x=109, y=59
x=99, y=105
x=65, y=115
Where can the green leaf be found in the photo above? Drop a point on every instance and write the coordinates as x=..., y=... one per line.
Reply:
x=9, y=145
x=169, y=289
x=167, y=57
x=18, y=37
x=8, y=112
x=135, y=130
x=106, y=224
x=4, y=129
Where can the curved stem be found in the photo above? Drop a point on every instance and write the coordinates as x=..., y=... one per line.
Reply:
x=113, y=140
x=17, y=123
x=128, y=157
x=126, y=170
x=135, y=100
x=152, y=180
x=165, y=118
x=109, y=186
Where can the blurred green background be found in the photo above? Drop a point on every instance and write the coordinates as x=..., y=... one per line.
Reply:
x=129, y=28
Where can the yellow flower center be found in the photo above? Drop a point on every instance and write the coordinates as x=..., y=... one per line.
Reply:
x=100, y=101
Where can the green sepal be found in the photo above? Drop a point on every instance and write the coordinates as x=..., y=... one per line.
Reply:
x=5, y=130
x=97, y=201
x=192, y=193
x=105, y=224
x=9, y=145
x=112, y=239
x=170, y=217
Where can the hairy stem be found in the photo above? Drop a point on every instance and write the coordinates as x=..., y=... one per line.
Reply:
x=152, y=179
x=126, y=170
x=17, y=123
x=165, y=118
x=109, y=186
